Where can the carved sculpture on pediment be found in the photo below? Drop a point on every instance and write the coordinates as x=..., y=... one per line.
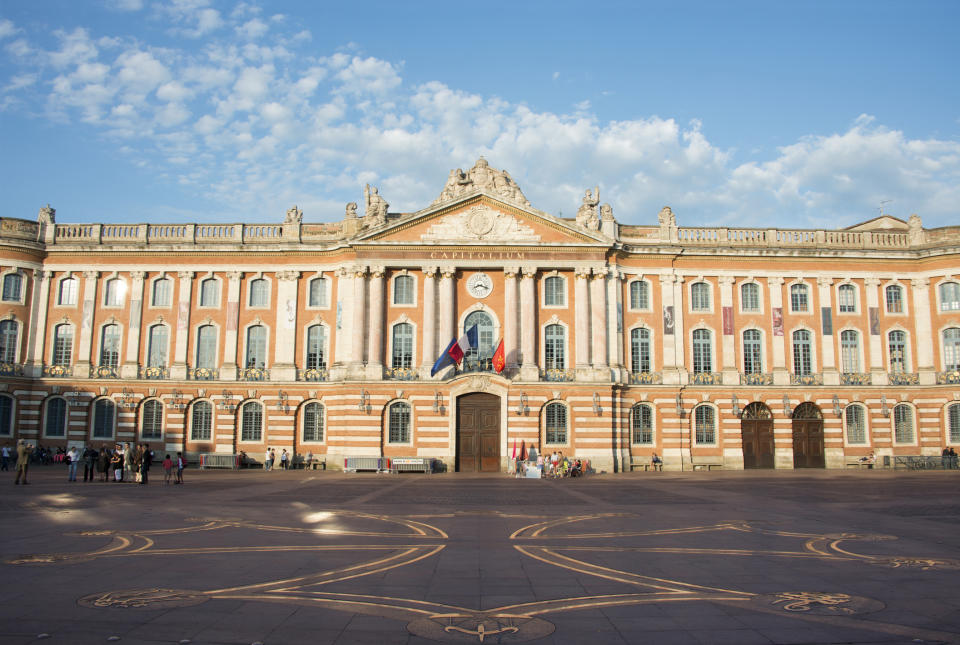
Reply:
x=351, y=211
x=47, y=215
x=376, y=206
x=294, y=215
x=666, y=217
x=606, y=213
x=587, y=213
x=480, y=223
x=481, y=177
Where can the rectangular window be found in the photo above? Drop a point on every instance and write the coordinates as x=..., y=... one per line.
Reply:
x=209, y=293
x=705, y=425
x=162, y=290
x=639, y=295
x=856, y=426
x=894, y=295
x=642, y=425
x=12, y=283
x=67, y=294
x=201, y=421
x=313, y=422
x=847, y=299
x=157, y=352
x=798, y=298
x=318, y=293
x=750, y=297
x=898, y=351
x=403, y=290
x=640, y=351
x=850, y=352
x=700, y=297
x=556, y=423
x=554, y=292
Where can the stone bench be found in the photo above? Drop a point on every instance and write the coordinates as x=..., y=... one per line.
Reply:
x=856, y=463
x=637, y=462
x=706, y=463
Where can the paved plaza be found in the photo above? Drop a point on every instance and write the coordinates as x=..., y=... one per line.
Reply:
x=320, y=557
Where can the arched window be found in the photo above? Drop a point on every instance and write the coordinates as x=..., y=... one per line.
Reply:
x=700, y=296
x=9, y=330
x=554, y=347
x=12, y=287
x=402, y=346
x=399, y=423
x=206, y=347
x=752, y=352
x=259, y=293
x=903, y=424
x=705, y=424
x=750, y=296
x=110, y=346
x=856, y=424
x=319, y=294
x=894, y=299
x=256, y=346
x=62, y=345
x=316, y=348
x=67, y=292
x=55, y=418
x=403, y=290
x=554, y=291
x=251, y=419
x=480, y=358
x=849, y=351
x=640, y=350
x=313, y=422
x=847, y=299
x=201, y=421
x=799, y=298
x=950, y=296
x=702, y=351
x=157, y=349
x=641, y=424
x=104, y=413
x=897, y=341
x=802, y=353
x=162, y=291
x=6, y=415
x=210, y=293
x=114, y=292
x=951, y=349
x=152, y=425
x=555, y=423
x=639, y=294
x=953, y=422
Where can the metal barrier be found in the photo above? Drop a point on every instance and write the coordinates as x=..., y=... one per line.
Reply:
x=411, y=465
x=917, y=462
x=369, y=464
x=218, y=460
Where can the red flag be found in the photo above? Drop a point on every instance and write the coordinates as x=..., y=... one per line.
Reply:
x=514, y=448
x=499, y=360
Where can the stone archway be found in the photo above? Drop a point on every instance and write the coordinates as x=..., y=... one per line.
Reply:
x=478, y=433
x=756, y=430
x=808, y=437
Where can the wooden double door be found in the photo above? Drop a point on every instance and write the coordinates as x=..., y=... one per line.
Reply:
x=478, y=433
x=808, y=437
x=756, y=429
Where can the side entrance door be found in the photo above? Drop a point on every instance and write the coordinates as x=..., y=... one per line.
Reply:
x=478, y=433
x=756, y=428
x=808, y=437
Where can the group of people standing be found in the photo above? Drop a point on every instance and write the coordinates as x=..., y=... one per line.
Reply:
x=122, y=462
x=270, y=458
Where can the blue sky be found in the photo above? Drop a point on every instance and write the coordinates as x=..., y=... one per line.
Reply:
x=799, y=114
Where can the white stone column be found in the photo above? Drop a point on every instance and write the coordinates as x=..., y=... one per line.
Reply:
x=598, y=324
x=679, y=337
x=179, y=368
x=923, y=330
x=828, y=361
x=672, y=364
x=36, y=327
x=528, y=325
x=81, y=368
x=375, y=345
x=429, y=351
x=781, y=372
x=728, y=348
x=358, y=320
x=284, y=366
x=874, y=348
x=511, y=321
x=447, y=305
x=131, y=360
x=341, y=344
x=615, y=356
x=581, y=308
x=228, y=372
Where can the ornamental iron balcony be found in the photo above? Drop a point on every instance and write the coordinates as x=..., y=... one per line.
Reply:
x=11, y=369
x=646, y=378
x=313, y=374
x=755, y=378
x=855, y=378
x=253, y=374
x=203, y=373
x=58, y=371
x=811, y=378
x=903, y=378
x=104, y=371
x=950, y=377
x=153, y=372
x=401, y=373
x=706, y=378
x=558, y=375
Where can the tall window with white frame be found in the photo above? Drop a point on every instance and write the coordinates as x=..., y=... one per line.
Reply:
x=206, y=347
x=401, y=355
x=259, y=293
x=201, y=421
x=12, y=287
x=55, y=418
x=640, y=295
x=114, y=292
x=554, y=347
x=750, y=297
x=67, y=292
x=705, y=424
x=702, y=351
x=110, y=346
x=62, y=345
x=157, y=349
x=847, y=299
x=903, y=424
x=554, y=291
x=316, y=347
x=319, y=296
x=151, y=428
x=252, y=421
x=403, y=290
x=313, y=422
x=849, y=351
x=752, y=352
x=479, y=358
x=700, y=296
x=104, y=412
x=950, y=296
x=555, y=423
x=9, y=330
x=893, y=295
x=209, y=293
x=856, y=424
x=951, y=349
x=641, y=425
x=162, y=292
x=256, y=347
x=897, y=347
x=802, y=353
x=640, y=351
x=399, y=423
x=799, y=298
x=6, y=415
x=953, y=423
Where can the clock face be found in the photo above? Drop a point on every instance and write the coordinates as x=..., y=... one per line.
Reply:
x=479, y=285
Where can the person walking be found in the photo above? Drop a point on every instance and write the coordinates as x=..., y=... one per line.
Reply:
x=73, y=460
x=89, y=463
x=116, y=464
x=284, y=458
x=146, y=460
x=103, y=463
x=5, y=457
x=181, y=464
x=24, y=450
x=266, y=460
x=167, y=469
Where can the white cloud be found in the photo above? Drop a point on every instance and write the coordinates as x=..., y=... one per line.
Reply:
x=7, y=28
x=252, y=29
x=368, y=76
x=125, y=5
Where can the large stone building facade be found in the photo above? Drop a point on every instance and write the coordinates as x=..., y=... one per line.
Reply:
x=743, y=348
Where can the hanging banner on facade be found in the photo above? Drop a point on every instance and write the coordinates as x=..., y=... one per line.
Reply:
x=826, y=320
x=728, y=321
x=777, y=321
x=668, y=320
x=874, y=321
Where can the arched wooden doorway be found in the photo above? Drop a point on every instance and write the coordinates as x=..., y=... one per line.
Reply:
x=478, y=433
x=808, y=437
x=756, y=429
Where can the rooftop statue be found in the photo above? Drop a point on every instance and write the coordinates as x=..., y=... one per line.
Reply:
x=587, y=213
x=481, y=177
x=376, y=206
x=294, y=216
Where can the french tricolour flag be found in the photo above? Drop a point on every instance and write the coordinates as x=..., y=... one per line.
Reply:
x=463, y=345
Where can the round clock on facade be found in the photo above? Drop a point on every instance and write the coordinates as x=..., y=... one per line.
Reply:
x=479, y=285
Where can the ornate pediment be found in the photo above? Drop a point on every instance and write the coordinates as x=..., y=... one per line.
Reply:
x=481, y=178
x=480, y=223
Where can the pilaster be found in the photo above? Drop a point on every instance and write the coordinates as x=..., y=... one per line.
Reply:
x=229, y=371
x=828, y=362
x=528, y=324
x=131, y=361
x=728, y=351
x=375, y=324
x=874, y=347
x=284, y=366
x=179, y=368
x=511, y=319
x=598, y=324
x=81, y=368
x=781, y=373
x=581, y=307
x=37, y=325
x=615, y=356
x=923, y=330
